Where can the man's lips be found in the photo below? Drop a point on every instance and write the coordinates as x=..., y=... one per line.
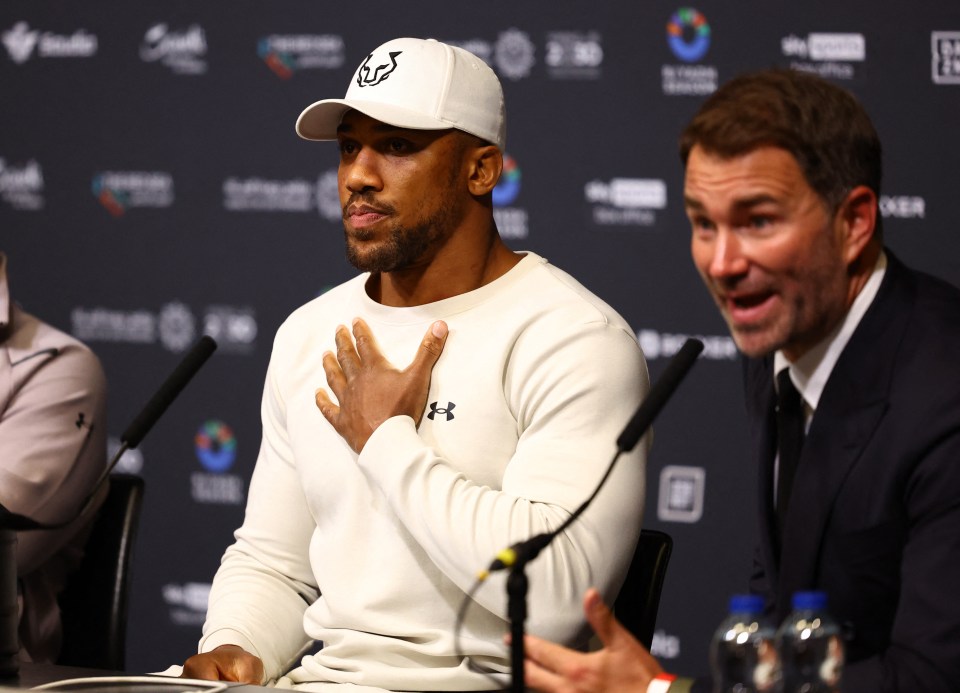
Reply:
x=745, y=307
x=361, y=216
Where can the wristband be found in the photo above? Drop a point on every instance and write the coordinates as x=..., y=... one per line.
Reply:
x=661, y=683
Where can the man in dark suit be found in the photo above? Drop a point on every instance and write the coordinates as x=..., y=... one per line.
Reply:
x=861, y=499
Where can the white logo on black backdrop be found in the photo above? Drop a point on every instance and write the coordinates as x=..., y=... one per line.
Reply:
x=829, y=55
x=261, y=195
x=657, y=345
x=665, y=646
x=328, y=196
x=945, y=49
x=681, y=494
x=21, y=186
x=173, y=326
x=187, y=602
x=513, y=54
x=183, y=51
x=21, y=41
x=574, y=55
x=625, y=201
x=903, y=206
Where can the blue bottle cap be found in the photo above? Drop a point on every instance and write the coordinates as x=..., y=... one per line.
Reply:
x=746, y=604
x=810, y=600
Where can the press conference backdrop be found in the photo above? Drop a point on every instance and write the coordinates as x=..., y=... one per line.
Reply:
x=152, y=189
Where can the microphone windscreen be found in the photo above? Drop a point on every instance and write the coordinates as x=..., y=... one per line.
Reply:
x=187, y=368
x=661, y=391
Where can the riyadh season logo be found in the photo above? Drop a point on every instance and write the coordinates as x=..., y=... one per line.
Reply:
x=286, y=55
x=216, y=449
x=119, y=191
x=828, y=55
x=625, y=201
x=574, y=55
x=187, y=602
x=656, y=345
x=22, y=43
x=174, y=326
x=183, y=51
x=262, y=195
x=21, y=186
x=945, y=54
x=689, y=37
x=512, y=222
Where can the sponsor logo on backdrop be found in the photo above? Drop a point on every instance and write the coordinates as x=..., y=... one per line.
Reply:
x=688, y=36
x=216, y=449
x=119, y=191
x=173, y=326
x=21, y=185
x=130, y=462
x=187, y=602
x=945, y=50
x=182, y=50
x=23, y=43
x=665, y=646
x=513, y=54
x=479, y=47
x=903, y=206
x=262, y=195
x=328, y=196
x=681, y=494
x=658, y=345
x=625, y=201
x=830, y=55
x=574, y=55
x=512, y=222
x=234, y=328
x=286, y=55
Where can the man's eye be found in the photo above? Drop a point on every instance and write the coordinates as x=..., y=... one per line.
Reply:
x=397, y=146
x=347, y=147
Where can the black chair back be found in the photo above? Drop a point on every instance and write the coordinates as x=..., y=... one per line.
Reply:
x=93, y=607
x=639, y=599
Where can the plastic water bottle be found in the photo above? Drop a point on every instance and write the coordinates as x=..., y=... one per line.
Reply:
x=810, y=647
x=742, y=653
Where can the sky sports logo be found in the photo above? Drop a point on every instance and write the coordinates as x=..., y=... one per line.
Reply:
x=829, y=55
x=625, y=201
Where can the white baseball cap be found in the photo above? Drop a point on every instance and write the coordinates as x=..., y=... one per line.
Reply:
x=420, y=84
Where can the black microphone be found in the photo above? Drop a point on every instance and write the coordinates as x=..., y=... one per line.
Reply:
x=174, y=384
x=523, y=552
x=135, y=432
x=661, y=391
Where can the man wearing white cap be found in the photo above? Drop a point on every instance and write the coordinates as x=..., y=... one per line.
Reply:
x=379, y=492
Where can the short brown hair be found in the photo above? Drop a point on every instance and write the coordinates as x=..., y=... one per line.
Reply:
x=823, y=126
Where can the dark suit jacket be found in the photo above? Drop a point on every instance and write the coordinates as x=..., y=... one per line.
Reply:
x=874, y=519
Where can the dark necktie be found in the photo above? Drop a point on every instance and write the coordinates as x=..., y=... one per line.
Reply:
x=790, y=432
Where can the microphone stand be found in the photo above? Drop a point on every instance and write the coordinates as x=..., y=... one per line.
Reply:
x=518, y=555
x=517, y=584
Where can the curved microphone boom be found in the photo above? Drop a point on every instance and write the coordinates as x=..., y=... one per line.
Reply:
x=525, y=551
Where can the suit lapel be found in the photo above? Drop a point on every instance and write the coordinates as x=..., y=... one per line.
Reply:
x=851, y=408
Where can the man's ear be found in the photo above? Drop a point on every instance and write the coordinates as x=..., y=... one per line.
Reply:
x=486, y=165
x=858, y=217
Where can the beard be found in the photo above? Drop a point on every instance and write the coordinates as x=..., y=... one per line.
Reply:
x=403, y=245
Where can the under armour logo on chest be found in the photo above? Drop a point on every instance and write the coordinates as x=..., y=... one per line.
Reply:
x=444, y=411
